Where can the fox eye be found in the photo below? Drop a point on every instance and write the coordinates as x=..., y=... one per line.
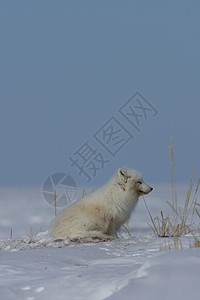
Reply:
x=139, y=182
x=122, y=173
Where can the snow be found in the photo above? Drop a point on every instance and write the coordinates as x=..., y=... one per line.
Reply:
x=39, y=267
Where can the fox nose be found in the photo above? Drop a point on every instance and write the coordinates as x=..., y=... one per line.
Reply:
x=151, y=189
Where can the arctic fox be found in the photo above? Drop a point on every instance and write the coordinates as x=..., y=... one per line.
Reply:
x=101, y=213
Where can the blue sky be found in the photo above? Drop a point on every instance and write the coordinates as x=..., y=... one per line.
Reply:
x=66, y=67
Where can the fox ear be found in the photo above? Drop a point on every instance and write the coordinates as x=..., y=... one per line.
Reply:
x=122, y=173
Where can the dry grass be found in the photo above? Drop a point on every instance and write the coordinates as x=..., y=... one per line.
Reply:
x=174, y=197
x=83, y=192
x=126, y=227
x=175, y=243
x=181, y=222
x=196, y=243
x=11, y=233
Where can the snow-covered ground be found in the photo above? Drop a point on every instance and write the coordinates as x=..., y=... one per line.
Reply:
x=34, y=266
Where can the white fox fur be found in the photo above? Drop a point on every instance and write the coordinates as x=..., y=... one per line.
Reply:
x=101, y=213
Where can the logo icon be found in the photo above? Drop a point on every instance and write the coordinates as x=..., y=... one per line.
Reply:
x=59, y=185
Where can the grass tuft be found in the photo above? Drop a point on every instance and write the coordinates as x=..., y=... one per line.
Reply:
x=196, y=243
x=172, y=244
x=83, y=192
x=174, y=197
x=126, y=227
x=181, y=222
x=11, y=233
